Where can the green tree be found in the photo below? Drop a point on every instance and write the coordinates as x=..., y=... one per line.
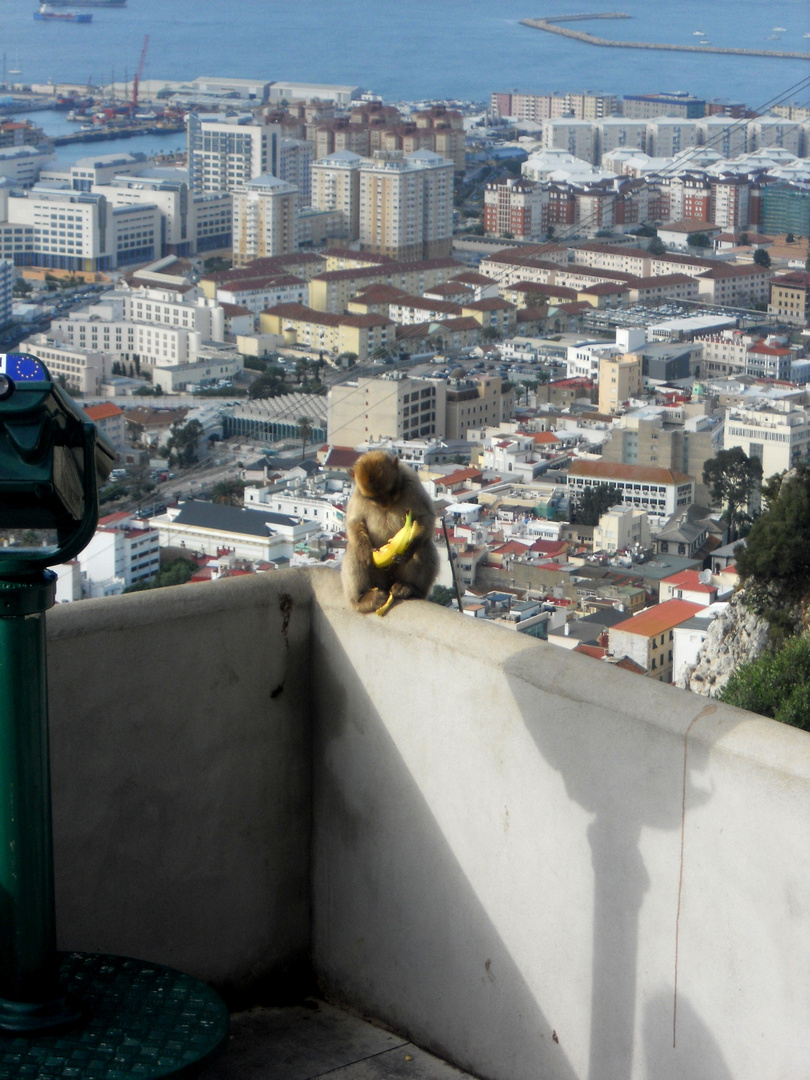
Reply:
x=762, y=258
x=269, y=384
x=174, y=573
x=595, y=501
x=442, y=596
x=698, y=240
x=304, y=430
x=182, y=443
x=775, y=562
x=776, y=684
x=657, y=246
x=732, y=479
x=790, y=238
x=21, y=288
x=743, y=239
x=229, y=492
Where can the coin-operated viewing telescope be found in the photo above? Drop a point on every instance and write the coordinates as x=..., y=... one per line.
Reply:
x=126, y=1012
x=52, y=461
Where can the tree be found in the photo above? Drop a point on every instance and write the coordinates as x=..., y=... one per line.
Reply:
x=762, y=258
x=743, y=239
x=732, y=479
x=776, y=684
x=442, y=596
x=304, y=430
x=657, y=246
x=182, y=443
x=174, y=573
x=594, y=502
x=699, y=240
x=229, y=492
x=269, y=384
x=775, y=562
x=790, y=238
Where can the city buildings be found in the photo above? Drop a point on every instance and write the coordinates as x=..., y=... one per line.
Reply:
x=225, y=152
x=370, y=410
x=790, y=297
x=406, y=205
x=264, y=221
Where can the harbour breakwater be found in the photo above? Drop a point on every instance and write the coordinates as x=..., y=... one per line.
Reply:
x=551, y=26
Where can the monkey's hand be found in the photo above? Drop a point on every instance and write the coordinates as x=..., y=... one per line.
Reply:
x=364, y=551
x=398, y=548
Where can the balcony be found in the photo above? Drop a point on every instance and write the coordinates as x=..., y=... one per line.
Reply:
x=521, y=862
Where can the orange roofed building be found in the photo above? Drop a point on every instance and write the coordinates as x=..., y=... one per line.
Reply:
x=647, y=638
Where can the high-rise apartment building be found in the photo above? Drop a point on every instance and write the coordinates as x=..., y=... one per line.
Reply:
x=226, y=152
x=369, y=410
x=514, y=206
x=336, y=186
x=263, y=219
x=406, y=205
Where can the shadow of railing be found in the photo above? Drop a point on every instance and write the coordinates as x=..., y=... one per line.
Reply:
x=529, y=863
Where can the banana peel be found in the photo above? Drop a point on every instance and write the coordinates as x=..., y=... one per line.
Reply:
x=398, y=544
x=382, y=610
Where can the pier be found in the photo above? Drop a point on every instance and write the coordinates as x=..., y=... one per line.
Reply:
x=125, y=131
x=552, y=26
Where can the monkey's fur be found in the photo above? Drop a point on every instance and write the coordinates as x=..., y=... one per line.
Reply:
x=384, y=491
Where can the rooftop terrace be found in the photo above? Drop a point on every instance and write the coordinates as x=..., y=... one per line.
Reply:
x=505, y=855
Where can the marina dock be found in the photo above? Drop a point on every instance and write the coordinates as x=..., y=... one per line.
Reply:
x=552, y=26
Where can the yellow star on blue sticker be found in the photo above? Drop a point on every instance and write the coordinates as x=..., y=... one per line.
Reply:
x=22, y=367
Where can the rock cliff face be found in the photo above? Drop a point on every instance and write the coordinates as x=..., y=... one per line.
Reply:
x=735, y=637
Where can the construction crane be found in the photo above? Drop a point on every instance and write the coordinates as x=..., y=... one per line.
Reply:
x=136, y=81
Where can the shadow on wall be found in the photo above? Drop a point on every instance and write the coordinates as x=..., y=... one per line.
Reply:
x=389, y=885
x=619, y=771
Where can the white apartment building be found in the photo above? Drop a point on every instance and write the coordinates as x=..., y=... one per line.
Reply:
x=731, y=202
x=578, y=137
x=728, y=138
x=622, y=528
x=336, y=186
x=658, y=491
x=406, y=205
x=723, y=353
x=84, y=370
x=257, y=294
x=584, y=360
x=119, y=554
x=778, y=435
x=620, y=133
x=668, y=135
x=765, y=131
x=263, y=219
x=22, y=164
x=225, y=152
x=295, y=160
x=145, y=326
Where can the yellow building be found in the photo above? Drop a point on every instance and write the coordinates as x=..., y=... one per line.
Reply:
x=406, y=205
x=325, y=332
x=332, y=291
x=619, y=380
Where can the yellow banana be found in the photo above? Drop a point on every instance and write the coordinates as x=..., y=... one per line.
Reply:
x=398, y=544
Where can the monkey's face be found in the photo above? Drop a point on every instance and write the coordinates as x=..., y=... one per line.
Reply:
x=378, y=478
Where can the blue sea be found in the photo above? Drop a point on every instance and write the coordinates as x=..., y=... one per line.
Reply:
x=410, y=50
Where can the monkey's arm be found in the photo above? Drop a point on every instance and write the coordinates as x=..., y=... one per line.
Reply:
x=357, y=532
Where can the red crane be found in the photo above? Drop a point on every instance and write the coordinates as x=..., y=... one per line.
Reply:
x=138, y=74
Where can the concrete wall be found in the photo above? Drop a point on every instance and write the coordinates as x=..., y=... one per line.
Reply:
x=543, y=868
x=180, y=743
x=535, y=866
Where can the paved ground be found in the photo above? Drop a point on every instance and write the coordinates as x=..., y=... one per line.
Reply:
x=314, y=1040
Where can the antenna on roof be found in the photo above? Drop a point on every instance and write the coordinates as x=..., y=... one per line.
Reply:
x=705, y=577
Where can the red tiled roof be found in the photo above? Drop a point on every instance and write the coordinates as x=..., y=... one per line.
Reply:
x=103, y=412
x=656, y=620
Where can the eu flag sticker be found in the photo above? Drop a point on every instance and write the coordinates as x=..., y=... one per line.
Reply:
x=23, y=368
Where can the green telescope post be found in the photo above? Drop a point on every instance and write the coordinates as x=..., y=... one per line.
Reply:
x=50, y=463
x=95, y=1016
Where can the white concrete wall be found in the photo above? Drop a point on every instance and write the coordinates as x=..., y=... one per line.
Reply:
x=520, y=857
x=534, y=865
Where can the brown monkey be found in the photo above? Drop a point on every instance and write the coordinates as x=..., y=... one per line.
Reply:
x=384, y=491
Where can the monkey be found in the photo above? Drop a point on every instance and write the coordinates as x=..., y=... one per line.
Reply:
x=384, y=491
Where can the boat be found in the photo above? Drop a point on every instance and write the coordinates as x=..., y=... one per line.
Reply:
x=697, y=33
x=779, y=30
x=47, y=12
x=87, y=3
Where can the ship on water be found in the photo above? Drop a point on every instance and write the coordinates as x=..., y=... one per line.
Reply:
x=47, y=12
x=87, y=3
